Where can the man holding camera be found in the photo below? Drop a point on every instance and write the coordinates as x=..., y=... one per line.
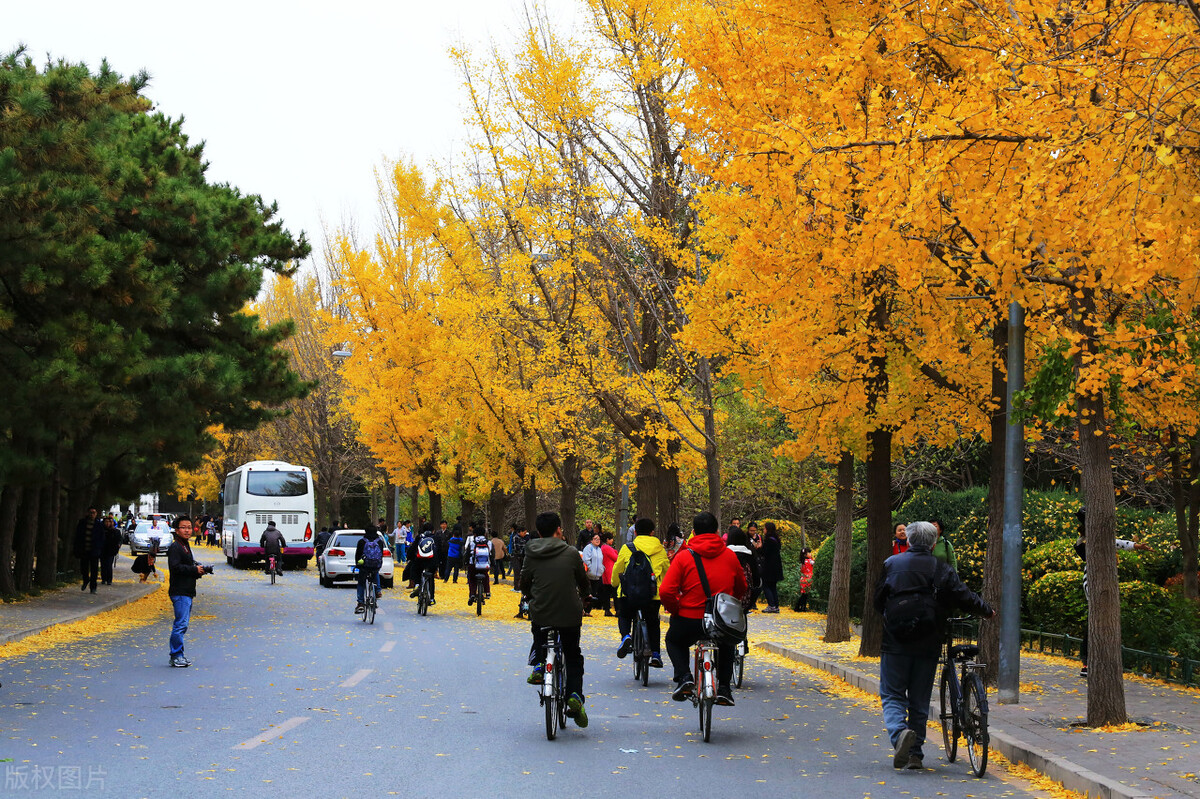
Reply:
x=184, y=571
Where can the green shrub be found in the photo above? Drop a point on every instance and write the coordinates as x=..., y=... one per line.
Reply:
x=927, y=504
x=1052, y=556
x=1055, y=603
x=1152, y=618
x=823, y=570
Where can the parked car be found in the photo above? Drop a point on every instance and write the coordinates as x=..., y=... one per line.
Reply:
x=337, y=561
x=143, y=533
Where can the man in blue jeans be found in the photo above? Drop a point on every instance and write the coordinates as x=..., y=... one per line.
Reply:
x=185, y=571
x=909, y=660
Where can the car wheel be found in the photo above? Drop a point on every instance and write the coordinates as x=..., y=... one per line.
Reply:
x=387, y=582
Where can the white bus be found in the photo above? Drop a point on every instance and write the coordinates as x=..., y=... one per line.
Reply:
x=264, y=491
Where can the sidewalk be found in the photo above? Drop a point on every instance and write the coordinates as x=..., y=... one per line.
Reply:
x=31, y=616
x=1159, y=760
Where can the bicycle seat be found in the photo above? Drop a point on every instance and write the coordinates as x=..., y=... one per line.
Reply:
x=964, y=651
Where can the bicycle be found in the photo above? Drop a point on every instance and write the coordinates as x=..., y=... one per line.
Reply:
x=552, y=693
x=370, y=596
x=739, y=662
x=480, y=592
x=424, y=593
x=704, y=677
x=964, y=708
x=271, y=568
x=641, y=649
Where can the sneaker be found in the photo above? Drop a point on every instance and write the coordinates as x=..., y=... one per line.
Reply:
x=683, y=689
x=916, y=761
x=1083, y=672
x=575, y=710
x=900, y=756
x=359, y=608
x=179, y=662
x=626, y=646
x=655, y=661
x=724, y=695
x=536, y=676
x=470, y=600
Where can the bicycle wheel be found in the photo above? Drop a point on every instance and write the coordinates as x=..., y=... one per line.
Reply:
x=739, y=662
x=975, y=723
x=641, y=651
x=423, y=598
x=271, y=566
x=478, y=600
x=560, y=689
x=551, y=716
x=706, y=706
x=372, y=604
x=947, y=716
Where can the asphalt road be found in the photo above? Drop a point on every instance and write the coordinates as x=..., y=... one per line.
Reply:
x=289, y=692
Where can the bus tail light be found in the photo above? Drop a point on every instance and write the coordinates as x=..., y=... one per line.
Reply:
x=308, y=532
x=245, y=531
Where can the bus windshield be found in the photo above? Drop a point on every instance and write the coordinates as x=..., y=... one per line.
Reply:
x=276, y=484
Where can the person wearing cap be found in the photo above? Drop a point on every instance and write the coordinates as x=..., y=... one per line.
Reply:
x=272, y=542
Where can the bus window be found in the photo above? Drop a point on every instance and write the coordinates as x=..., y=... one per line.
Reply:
x=277, y=484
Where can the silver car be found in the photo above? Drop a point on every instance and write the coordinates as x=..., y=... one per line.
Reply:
x=337, y=561
x=143, y=534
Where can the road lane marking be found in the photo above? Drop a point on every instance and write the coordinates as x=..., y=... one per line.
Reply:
x=356, y=678
x=388, y=647
x=273, y=733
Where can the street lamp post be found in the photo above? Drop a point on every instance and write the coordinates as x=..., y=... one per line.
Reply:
x=1009, y=672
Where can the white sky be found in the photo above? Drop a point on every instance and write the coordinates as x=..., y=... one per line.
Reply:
x=298, y=101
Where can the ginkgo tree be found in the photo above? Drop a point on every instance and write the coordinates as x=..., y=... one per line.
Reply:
x=985, y=150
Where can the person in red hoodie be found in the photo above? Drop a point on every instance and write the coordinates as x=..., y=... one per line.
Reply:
x=683, y=597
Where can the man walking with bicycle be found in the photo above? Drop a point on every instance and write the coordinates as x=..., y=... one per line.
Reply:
x=683, y=595
x=556, y=582
x=915, y=595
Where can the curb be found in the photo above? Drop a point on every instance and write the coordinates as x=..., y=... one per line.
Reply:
x=140, y=592
x=1072, y=776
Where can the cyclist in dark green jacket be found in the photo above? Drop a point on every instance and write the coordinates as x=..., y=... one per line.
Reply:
x=556, y=582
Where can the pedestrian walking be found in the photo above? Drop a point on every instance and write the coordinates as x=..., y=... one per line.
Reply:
x=608, y=594
x=184, y=572
x=772, y=566
x=112, y=548
x=89, y=548
x=499, y=555
x=915, y=594
x=516, y=551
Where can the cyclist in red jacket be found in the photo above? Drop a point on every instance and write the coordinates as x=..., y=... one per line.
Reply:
x=683, y=596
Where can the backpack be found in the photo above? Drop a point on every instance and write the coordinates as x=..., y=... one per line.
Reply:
x=372, y=553
x=426, y=546
x=912, y=613
x=639, y=583
x=724, y=618
x=482, y=556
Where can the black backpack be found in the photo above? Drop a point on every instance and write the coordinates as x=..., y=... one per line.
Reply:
x=912, y=613
x=639, y=583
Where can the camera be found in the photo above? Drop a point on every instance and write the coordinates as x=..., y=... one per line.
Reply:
x=207, y=569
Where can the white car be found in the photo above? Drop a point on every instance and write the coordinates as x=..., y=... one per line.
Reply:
x=337, y=561
x=143, y=533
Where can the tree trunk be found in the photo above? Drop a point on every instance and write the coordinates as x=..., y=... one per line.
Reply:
x=879, y=534
x=837, y=614
x=1183, y=488
x=470, y=510
x=435, y=508
x=530, y=497
x=647, y=488
x=46, y=570
x=498, y=508
x=993, y=563
x=668, y=496
x=572, y=476
x=1106, y=688
x=10, y=502
x=712, y=460
x=414, y=504
x=26, y=538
